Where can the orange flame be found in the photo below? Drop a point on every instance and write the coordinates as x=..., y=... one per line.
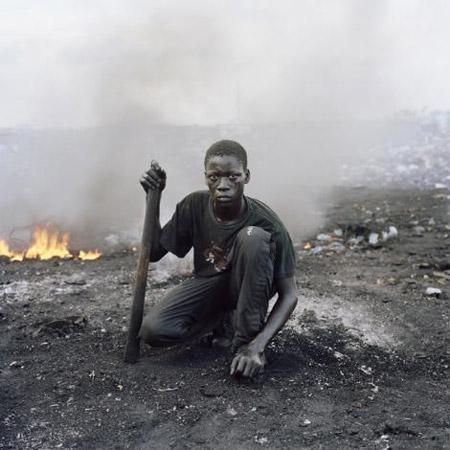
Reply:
x=90, y=255
x=5, y=251
x=46, y=244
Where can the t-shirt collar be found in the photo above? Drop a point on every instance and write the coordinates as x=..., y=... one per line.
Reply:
x=232, y=224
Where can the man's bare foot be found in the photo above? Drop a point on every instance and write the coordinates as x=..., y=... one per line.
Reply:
x=223, y=342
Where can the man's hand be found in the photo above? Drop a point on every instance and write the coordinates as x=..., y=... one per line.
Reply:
x=248, y=362
x=154, y=178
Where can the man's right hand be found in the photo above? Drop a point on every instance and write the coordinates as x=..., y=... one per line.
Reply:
x=155, y=178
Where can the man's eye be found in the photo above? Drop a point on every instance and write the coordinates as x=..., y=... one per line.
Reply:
x=233, y=177
x=212, y=177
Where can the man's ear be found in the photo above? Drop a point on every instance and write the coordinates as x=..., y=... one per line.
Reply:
x=247, y=176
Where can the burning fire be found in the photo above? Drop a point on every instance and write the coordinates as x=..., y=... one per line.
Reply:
x=46, y=244
x=90, y=255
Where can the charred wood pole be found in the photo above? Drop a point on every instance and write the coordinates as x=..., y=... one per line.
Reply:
x=132, y=351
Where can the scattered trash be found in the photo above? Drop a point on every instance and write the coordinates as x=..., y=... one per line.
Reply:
x=16, y=364
x=433, y=292
x=373, y=239
x=391, y=233
x=355, y=241
x=323, y=237
x=336, y=247
x=169, y=389
x=339, y=355
x=261, y=440
x=231, y=411
x=350, y=236
x=442, y=276
x=366, y=370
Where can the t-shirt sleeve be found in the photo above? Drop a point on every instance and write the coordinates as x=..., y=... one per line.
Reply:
x=285, y=259
x=176, y=235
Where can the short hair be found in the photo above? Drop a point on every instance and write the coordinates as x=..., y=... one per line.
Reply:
x=229, y=148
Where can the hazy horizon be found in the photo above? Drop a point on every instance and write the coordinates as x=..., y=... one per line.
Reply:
x=97, y=74
x=78, y=64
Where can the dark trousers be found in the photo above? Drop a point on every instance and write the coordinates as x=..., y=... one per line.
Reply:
x=199, y=304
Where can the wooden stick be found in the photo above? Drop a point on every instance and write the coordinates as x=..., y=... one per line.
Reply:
x=132, y=351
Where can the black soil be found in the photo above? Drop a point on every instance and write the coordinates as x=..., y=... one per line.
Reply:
x=328, y=386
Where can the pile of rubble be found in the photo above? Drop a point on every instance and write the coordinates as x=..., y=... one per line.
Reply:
x=349, y=237
x=423, y=164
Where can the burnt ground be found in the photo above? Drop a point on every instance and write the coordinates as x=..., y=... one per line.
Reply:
x=363, y=364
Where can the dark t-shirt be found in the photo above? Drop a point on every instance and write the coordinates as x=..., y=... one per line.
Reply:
x=194, y=225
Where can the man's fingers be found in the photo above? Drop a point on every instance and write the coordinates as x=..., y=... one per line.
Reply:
x=148, y=182
x=157, y=168
x=152, y=177
x=241, y=366
x=248, y=369
x=238, y=365
x=234, y=364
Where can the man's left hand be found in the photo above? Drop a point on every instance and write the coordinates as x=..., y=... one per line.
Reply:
x=248, y=362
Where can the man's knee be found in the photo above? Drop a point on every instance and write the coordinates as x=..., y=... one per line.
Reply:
x=150, y=330
x=159, y=334
x=254, y=239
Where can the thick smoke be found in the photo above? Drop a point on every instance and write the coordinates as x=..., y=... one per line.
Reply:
x=304, y=86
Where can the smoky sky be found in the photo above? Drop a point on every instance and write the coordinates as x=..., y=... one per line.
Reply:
x=105, y=87
x=80, y=63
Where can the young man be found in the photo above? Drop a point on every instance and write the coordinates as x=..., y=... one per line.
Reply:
x=243, y=255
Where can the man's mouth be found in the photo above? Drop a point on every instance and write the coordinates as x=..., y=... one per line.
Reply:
x=223, y=198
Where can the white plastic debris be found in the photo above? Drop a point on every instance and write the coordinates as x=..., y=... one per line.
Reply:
x=391, y=233
x=418, y=230
x=337, y=247
x=323, y=237
x=261, y=440
x=373, y=238
x=367, y=370
x=439, y=186
x=433, y=292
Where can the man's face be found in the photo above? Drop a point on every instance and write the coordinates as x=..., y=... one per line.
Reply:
x=225, y=177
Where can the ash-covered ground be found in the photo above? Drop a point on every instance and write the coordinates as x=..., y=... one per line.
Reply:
x=364, y=362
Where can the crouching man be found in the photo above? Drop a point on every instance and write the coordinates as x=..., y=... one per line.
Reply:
x=243, y=255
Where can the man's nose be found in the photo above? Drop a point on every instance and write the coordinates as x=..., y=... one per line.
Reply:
x=223, y=184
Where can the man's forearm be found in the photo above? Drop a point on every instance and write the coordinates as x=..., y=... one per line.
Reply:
x=282, y=310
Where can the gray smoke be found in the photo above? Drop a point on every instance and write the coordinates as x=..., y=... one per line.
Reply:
x=306, y=87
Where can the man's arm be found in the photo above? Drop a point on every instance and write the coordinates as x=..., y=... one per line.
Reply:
x=250, y=358
x=155, y=178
